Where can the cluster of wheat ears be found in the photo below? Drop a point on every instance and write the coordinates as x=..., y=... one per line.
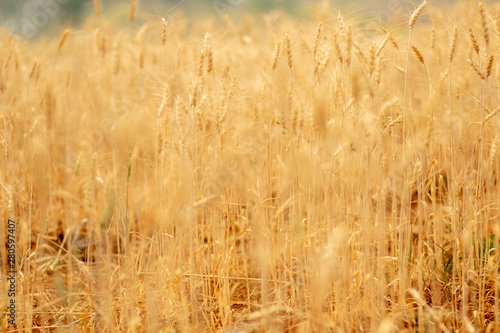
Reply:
x=255, y=175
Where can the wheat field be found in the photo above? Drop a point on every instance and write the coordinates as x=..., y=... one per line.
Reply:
x=266, y=174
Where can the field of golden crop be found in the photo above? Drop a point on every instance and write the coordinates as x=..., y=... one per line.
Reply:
x=255, y=175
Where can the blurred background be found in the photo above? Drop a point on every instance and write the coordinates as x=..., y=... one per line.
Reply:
x=35, y=18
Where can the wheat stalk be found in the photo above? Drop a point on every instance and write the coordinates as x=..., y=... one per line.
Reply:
x=491, y=115
x=391, y=39
x=433, y=38
x=276, y=55
x=411, y=23
x=132, y=11
x=117, y=57
x=419, y=55
x=473, y=39
x=484, y=24
x=381, y=46
x=349, y=43
x=163, y=31
x=322, y=61
x=416, y=14
x=489, y=67
x=476, y=69
x=453, y=44
x=288, y=45
x=371, y=64
x=64, y=35
x=360, y=54
x=337, y=48
x=317, y=36
x=97, y=8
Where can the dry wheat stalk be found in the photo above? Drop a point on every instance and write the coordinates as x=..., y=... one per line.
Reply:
x=491, y=114
x=193, y=97
x=208, y=53
x=201, y=63
x=400, y=69
x=348, y=44
x=453, y=44
x=159, y=140
x=473, y=39
x=295, y=118
x=416, y=14
x=316, y=40
x=97, y=8
x=288, y=51
x=360, y=54
x=413, y=20
x=163, y=31
x=200, y=116
x=132, y=11
x=337, y=47
x=139, y=37
x=489, y=67
x=476, y=69
x=322, y=60
x=484, y=24
x=378, y=70
x=164, y=101
x=63, y=39
x=419, y=55
x=497, y=25
x=433, y=38
x=142, y=57
x=178, y=113
x=228, y=24
x=382, y=45
x=210, y=60
x=224, y=107
x=342, y=30
x=371, y=65
x=444, y=74
x=391, y=39
x=493, y=150
x=100, y=42
x=116, y=57
x=276, y=55
x=34, y=70
x=417, y=170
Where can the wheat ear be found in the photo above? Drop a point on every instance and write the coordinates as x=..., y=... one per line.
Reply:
x=132, y=11
x=416, y=14
x=63, y=39
x=484, y=24
x=97, y=8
